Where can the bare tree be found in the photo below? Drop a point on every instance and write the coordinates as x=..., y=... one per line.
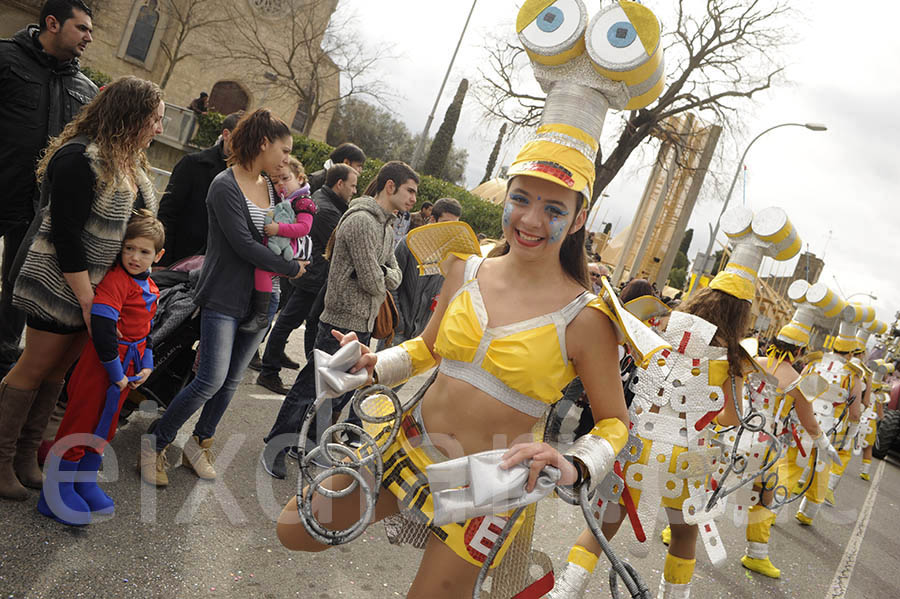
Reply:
x=717, y=57
x=186, y=17
x=310, y=54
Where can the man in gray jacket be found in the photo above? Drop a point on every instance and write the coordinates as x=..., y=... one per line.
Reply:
x=363, y=269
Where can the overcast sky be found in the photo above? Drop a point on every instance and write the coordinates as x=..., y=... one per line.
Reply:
x=836, y=186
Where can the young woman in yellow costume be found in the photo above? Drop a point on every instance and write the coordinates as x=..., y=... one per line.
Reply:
x=510, y=331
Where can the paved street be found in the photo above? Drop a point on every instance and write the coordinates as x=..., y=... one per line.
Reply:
x=196, y=539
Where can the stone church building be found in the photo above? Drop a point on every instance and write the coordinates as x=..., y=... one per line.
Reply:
x=128, y=37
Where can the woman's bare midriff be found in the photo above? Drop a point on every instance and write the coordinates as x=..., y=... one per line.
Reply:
x=462, y=420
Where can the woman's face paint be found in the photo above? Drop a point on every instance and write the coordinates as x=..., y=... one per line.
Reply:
x=507, y=213
x=559, y=225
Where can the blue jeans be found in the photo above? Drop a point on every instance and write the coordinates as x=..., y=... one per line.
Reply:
x=303, y=392
x=225, y=354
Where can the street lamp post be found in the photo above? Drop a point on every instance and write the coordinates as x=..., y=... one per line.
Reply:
x=737, y=172
x=420, y=146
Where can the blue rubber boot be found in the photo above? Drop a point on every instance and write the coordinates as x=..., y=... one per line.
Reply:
x=58, y=497
x=86, y=486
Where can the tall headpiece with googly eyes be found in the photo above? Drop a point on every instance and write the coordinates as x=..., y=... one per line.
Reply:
x=585, y=66
x=767, y=233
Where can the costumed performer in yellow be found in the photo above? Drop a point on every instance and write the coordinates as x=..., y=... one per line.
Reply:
x=838, y=409
x=791, y=416
x=510, y=331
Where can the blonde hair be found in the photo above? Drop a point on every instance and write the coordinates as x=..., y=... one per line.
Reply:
x=114, y=120
x=144, y=224
x=297, y=168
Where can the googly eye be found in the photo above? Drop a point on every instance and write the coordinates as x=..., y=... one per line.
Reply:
x=623, y=42
x=552, y=32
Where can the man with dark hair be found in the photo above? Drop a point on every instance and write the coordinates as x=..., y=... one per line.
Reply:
x=346, y=153
x=200, y=105
x=332, y=201
x=362, y=270
x=182, y=208
x=41, y=90
x=422, y=217
x=416, y=296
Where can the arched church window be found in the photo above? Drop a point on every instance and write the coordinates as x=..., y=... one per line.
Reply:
x=143, y=31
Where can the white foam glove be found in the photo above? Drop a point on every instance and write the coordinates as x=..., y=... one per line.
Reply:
x=476, y=485
x=826, y=449
x=333, y=378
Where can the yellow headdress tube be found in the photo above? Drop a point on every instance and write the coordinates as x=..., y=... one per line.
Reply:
x=798, y=330
x=738, y=278
x=877, y=327
x=862, y=338
x=820, y=296
x=623, y=43
x=553, y=33
x=768, y=233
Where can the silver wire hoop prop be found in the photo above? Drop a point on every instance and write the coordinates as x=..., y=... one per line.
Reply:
x=753, y=422
x=364, y=465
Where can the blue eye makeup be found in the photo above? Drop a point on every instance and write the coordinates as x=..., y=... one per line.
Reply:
x=556, y=211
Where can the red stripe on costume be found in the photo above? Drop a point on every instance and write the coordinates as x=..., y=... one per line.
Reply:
x=685, y=339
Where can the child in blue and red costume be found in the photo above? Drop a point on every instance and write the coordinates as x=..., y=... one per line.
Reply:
x=117, y=358
x=291, y=186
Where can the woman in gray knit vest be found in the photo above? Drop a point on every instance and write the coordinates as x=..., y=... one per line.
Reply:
x=92, y=176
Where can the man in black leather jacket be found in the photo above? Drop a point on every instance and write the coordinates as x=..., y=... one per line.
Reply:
x=41, y=90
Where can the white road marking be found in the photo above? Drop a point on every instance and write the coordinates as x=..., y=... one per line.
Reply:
x=264, y=396
x=841, y=581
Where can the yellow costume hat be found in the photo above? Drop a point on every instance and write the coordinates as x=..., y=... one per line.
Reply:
x=585, y=68
x=768, y=233
x=798, y=330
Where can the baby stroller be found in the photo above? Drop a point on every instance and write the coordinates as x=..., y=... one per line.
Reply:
x=176, y=330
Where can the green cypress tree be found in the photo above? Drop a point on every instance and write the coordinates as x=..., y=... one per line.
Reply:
x=492, y=160
x=443, y=139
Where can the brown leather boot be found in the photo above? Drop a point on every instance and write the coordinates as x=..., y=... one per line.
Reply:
x=26, y=462
x=14, y=407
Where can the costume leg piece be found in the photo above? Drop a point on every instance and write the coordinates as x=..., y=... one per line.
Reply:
x=676, y=580
x=572, y=582
x=759, y=526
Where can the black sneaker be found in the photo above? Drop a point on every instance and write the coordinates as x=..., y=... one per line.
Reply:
x=286, y=362
x=293, y=453
x=272, y=461
x=256, y=362
x=273, y=383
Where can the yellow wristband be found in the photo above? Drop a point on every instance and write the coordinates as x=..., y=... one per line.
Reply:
x=614, y=431
x=421, y=356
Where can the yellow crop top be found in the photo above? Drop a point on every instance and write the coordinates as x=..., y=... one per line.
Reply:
x=525, y=365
